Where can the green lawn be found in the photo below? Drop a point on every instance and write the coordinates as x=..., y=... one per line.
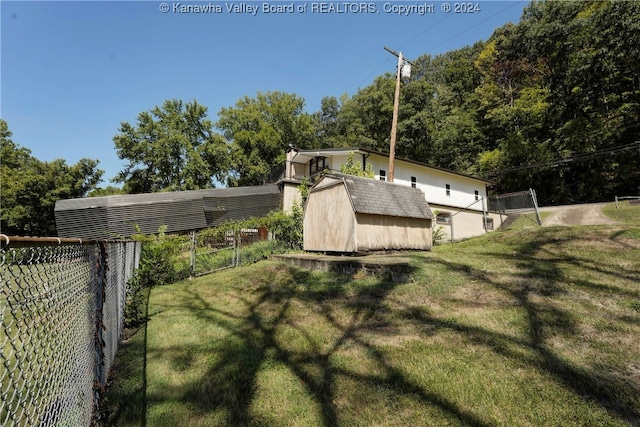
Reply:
x=525, y=327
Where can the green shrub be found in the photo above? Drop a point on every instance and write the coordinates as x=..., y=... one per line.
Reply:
x=352, y=167
x=287, y=226
x=160, y=263
x=260, y=250
x=438, y=235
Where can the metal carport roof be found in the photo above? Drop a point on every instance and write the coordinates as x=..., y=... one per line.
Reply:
x=118, y=216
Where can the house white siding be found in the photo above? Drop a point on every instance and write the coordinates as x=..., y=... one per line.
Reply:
x=433, y=183
x=460, y=194
x=290, y=195
x=464, y=223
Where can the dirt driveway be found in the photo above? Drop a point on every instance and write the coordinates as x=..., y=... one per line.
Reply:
x=586, y=214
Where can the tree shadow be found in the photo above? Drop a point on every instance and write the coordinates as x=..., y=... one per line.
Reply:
x=538, y=275
x=230, y=383
x=125, y=400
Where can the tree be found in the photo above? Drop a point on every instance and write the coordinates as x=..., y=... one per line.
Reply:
x=327, y=121
x=30, y=187
x=558, y=88
x=172, y=147
x=365, y=119
x=260, y=129
x=110, y=190
x=356, y=169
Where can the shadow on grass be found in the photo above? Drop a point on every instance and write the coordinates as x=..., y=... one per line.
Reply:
x=229, y=386
x=539, y=275
x=125, y=402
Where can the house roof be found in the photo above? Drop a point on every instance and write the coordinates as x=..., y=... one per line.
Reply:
x=306, y=155
x=370, y=196
x=104, y=217
x=169, y=196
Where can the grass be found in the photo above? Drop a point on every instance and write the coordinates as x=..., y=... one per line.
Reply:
x=531, y=326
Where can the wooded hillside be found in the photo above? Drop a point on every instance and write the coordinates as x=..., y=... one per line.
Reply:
x=552, y=103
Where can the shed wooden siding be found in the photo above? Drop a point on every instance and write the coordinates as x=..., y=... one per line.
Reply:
x=350, y=214
x=329, y=221
x=375, y=232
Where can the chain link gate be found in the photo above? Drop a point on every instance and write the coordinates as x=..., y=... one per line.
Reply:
x=520, y=202
x=61, y=319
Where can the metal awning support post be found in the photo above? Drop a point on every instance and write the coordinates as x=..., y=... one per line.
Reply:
x=484, y=216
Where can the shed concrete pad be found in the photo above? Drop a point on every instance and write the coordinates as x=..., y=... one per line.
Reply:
x=395, y=268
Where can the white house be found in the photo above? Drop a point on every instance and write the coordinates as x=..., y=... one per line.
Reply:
x=458, y=201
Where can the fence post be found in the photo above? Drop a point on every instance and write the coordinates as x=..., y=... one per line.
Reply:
x=193, y=253
x=535, y=205
x=234, y=247
x=484, y=216
x=238, y=250
x=99, y=343
x=617, y=207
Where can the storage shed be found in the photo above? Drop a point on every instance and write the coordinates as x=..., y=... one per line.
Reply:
x=180, y=211
x=344, y=213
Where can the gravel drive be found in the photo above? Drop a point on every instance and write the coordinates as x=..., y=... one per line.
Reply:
x=586, y=214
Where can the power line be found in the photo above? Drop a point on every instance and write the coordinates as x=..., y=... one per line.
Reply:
x=576, y=158
x=432, y=48
x=458, y=34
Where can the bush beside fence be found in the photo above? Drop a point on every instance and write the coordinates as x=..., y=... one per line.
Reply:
x=62, y=305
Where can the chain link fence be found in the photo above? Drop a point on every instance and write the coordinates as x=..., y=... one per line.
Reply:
x=217, y=251
x=497, y=207
x=61, y=313
x=517, y=203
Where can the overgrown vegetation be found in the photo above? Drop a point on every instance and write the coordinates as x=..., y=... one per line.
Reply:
x=167, y=258
x=533, y=326
x=352, y=167
x=161, y=262
x=211, y=261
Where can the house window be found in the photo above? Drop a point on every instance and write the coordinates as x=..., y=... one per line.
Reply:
x=443, y=218
x=477, y=195
x=383, y=175
x=489, y=222
x=413, y=182
x=448, y=189
x=317, y=165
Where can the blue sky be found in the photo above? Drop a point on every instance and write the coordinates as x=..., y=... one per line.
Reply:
x=72, y=71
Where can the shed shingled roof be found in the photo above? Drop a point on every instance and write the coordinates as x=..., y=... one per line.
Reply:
x=370, y=196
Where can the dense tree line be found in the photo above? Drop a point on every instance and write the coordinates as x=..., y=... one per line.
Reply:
x=551, y=103
x=30, y=187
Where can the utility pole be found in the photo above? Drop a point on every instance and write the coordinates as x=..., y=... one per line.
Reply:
x=396, y=104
